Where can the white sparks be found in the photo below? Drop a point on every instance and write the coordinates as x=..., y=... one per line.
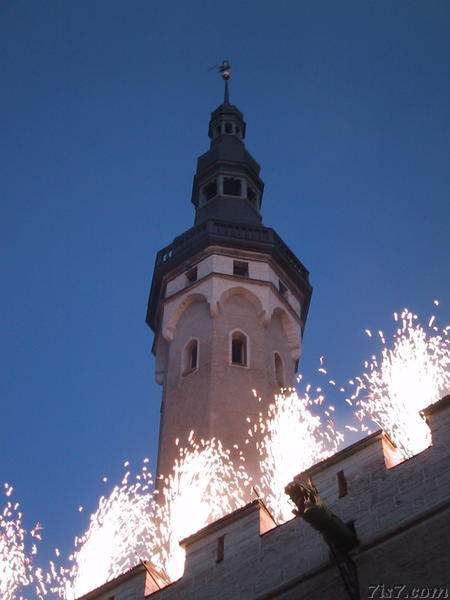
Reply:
x=294, y=440
x=410, y=376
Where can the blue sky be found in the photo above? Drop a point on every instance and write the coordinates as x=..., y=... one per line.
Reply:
x=104, y=110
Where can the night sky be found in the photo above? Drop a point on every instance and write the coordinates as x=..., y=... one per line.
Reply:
x=104, y=110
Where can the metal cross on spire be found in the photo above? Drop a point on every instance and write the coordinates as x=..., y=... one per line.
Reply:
x=224, y=70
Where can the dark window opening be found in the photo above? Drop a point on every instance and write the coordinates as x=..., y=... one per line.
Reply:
x=282, y=288
x=342, y=484
x=210, y=190
x=279, y=372
x=231, y=186
x=228, y=128
x=220, y=549
x=218, y=130
x=193, y=356
x=240, y=268
x=239, y=349
x=191, y=275
x=190, y=359
x=251, y=195
x=238, y=131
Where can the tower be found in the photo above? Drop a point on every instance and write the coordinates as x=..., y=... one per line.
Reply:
x=228, y=303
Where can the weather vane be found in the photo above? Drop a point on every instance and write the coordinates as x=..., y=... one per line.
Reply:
x=224, y=69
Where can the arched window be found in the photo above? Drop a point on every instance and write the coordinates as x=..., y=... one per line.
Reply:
x=279, y=371
x=190, y=357
x=239, y=350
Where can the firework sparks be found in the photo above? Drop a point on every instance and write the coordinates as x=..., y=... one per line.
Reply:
x=120, y=527
x=404, y=380
x=203, y=486
x=133, y=523
x=293, y=440
x=16, y=566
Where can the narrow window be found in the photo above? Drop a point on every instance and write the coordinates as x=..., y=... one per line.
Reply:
x=228, y=128
x=240, y=268
x=191, y=275
x=220, y=548
x=231, y=186
x=193, y=355
x=239, y=349
x=190, y=357
x=279, y=371
x=217, y=130
x=210, y=190
x=282, y=288
x=342, y=484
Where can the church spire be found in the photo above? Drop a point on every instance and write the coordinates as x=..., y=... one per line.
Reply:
x=226, y=96
x=227, y=185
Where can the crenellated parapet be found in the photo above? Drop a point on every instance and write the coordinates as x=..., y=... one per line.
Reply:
x=400, y=516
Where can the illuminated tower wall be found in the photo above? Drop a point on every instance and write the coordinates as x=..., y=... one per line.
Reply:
x=228, y=304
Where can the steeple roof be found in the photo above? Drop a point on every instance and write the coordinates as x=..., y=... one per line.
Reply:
x=227, y=184
x=227, y=194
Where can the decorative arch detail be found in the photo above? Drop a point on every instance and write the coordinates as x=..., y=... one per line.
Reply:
x=171, y=325
x=251, y=297
x=290, y=330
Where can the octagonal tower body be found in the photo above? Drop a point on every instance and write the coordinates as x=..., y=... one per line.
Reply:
x=228, y=306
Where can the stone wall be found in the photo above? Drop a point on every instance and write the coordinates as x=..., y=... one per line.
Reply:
x=400, y=514
x=401, y=517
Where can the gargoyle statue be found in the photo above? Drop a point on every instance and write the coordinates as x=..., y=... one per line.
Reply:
x=311, y=508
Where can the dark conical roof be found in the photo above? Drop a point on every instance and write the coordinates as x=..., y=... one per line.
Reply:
x=227, y=184
x=224, y=110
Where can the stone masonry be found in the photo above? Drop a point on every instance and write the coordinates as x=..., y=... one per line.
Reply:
x=400, y=514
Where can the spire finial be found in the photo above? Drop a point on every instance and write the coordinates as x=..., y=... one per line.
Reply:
x=224, y=70
x=226, y=95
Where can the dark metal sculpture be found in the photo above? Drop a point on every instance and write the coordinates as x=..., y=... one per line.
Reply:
x=224, y=69
x=340, y=537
